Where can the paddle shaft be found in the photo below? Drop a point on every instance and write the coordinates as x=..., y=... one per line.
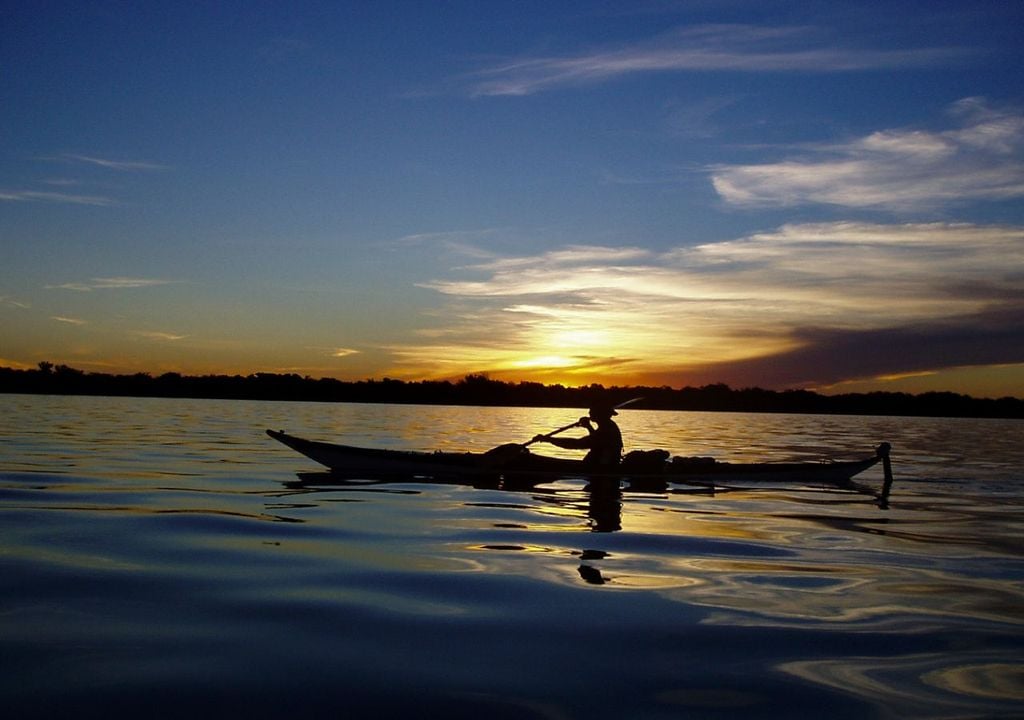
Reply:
x=575, y=424
x=551, y=434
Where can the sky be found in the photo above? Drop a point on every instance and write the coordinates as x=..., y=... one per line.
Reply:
x=821, y=195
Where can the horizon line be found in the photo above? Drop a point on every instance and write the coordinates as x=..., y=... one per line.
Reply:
x=512, y=383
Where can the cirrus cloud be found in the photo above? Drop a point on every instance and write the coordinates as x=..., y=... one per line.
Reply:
x=111, y=283
x=55, y=197
x=6, y=301
x=733, y=48
x=904, y=169
x=69, y=320
x=120, y=165
x=777, y=297
x=161, y=336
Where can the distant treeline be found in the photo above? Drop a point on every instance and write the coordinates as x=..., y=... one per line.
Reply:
x=481, y=390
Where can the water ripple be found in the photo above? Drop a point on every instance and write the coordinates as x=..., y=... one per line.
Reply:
x=152, y=544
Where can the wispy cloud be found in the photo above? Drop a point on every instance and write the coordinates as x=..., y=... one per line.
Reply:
x=736, y=48
x=55, y=197
x=6, y=301
x=635, y=312
x=69, y=320
x=66, y=198
x=111, y=283
x=334, y=352
x=696, y=119
x=901, y=169
x=161, y=336
x=120, y=165
x=464, y=242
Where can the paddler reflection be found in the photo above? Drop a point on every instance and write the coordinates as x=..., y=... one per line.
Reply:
x=602, y=508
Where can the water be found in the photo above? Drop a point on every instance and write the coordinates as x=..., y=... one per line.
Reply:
x=159, y=558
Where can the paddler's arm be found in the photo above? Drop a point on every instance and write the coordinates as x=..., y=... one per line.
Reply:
x=571, y=443
x=581, y=443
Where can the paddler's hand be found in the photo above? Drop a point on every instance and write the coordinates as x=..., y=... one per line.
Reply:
x=584, y=422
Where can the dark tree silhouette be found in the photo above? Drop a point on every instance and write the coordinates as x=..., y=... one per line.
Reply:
x=479, y=389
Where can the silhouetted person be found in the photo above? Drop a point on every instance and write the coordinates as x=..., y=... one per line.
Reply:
x=604, y=442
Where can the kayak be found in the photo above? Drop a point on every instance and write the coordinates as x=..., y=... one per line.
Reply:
x=515, y=462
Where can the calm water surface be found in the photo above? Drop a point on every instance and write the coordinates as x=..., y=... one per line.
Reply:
x=161, y=558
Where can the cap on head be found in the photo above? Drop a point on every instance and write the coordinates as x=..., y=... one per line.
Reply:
x=602, y=411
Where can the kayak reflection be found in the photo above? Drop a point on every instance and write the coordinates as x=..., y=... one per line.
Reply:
x=596, y=505
x=598, y=502
x=600, y=499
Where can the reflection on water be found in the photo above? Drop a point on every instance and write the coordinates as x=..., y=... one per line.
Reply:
x=166, y=549
x=923, y=686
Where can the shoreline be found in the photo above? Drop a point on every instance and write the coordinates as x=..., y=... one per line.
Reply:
x=478, y=390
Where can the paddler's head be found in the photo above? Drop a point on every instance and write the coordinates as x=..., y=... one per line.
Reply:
x=602, y=412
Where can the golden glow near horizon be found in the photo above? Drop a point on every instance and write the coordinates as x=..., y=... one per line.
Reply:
x=584, y=312
x=579, y=314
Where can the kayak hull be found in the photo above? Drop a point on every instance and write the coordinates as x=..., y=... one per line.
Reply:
x=373, y=462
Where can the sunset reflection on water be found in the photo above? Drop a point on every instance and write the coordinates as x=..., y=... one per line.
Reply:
x=173, y=539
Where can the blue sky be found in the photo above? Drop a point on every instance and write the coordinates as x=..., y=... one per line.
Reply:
x=822, y=195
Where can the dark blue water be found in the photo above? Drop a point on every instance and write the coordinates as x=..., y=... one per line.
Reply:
x=163, y=558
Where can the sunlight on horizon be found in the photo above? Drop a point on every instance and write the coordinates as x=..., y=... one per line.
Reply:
x=593, y=314
x=751, y=311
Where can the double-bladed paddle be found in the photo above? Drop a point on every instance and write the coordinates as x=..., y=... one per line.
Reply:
x=510, y=450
